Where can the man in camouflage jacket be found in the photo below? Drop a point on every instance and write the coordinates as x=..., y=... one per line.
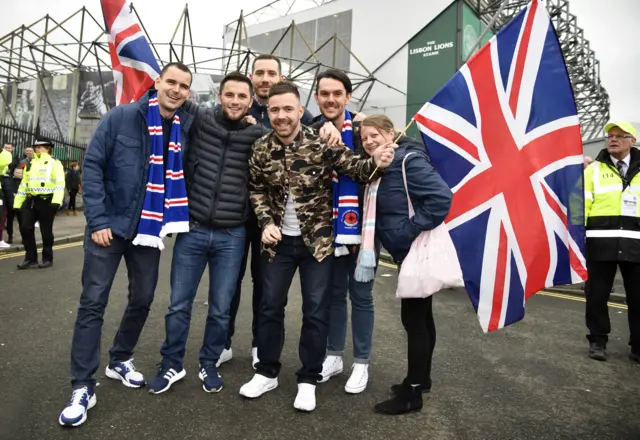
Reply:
x=291, y=193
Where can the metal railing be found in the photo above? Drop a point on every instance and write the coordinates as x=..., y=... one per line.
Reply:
x=20, y=137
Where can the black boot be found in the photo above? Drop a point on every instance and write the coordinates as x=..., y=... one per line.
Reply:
x=408, y=400
x=426, y=388
x=597, y=351
x=28, y=265
x=10, y=239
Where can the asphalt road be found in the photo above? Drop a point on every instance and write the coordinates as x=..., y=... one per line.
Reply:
x=530, y=381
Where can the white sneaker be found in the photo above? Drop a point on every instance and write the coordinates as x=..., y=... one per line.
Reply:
x=226, y=355
x=126, y=373
x=358, y=380
x=37, y=225
x=332, y=366
x=4, y=245
x=75, y=413
x=306, y=398
x=258, y=385
x=254, y=356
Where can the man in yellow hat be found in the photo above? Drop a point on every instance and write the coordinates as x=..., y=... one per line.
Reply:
x=612, y=205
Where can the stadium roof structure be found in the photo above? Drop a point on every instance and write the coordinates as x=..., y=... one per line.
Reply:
x=51, y=46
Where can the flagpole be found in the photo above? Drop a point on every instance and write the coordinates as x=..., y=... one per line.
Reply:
x=396, y=141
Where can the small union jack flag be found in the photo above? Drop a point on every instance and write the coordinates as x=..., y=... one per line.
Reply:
x=505, y=136
x=134, y=67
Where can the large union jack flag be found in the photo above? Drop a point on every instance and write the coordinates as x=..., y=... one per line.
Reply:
x=134, y=66
x=505, y=136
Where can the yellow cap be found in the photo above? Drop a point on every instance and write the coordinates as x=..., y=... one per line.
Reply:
x=622, y=125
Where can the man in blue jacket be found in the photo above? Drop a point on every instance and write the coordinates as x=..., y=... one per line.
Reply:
x=116, y=173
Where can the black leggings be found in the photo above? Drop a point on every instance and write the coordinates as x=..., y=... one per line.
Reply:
x=417, y=319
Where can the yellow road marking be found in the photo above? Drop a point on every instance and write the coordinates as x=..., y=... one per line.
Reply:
x=543, y=293
x=55, y=248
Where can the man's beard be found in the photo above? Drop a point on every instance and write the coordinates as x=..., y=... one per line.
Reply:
x=226, y=114
x=288, y=131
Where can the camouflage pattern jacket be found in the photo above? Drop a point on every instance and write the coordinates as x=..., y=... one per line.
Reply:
x=305, y=169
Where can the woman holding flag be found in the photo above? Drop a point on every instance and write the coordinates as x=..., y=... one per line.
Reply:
x=386, y=217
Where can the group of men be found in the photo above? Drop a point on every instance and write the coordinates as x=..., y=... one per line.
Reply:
x=249, y=177
x=245, y=175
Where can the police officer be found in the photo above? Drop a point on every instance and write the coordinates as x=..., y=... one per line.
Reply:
x=39, y=196
x=612, y=193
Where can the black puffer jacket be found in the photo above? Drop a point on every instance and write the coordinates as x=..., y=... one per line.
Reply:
x=216, y=168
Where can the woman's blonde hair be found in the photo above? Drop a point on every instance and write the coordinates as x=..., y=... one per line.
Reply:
x=382, y=123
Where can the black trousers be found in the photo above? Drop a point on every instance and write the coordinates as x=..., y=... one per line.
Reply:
x=37, y=209
x=598, y=290
x=417, y=319
x=315, y=281
x=253, y=242
x=72, y=199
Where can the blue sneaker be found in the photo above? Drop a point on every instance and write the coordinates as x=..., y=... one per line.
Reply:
x=75, y=413
x=167, y=376
x=126, y=373
x=211, y=380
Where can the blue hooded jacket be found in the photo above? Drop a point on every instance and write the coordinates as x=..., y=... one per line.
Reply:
x=430, y=196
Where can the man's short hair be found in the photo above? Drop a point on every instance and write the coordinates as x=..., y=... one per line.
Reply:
x=239, y=77
x=338, y=75
x=284, y=87
x=266, y=56
x=178, y=65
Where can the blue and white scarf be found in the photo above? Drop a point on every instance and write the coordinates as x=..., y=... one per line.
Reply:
x=166, y=208
x=346, y=216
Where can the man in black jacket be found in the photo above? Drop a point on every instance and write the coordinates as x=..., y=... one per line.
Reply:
x=217, y=173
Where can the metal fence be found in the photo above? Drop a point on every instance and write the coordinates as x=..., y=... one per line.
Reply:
x=64, y=149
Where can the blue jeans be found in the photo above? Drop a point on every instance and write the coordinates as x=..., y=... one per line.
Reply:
x=223, y=250
x=98, y=272
x=361, y=295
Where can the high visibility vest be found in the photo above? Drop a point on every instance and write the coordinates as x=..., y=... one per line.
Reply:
x=43, y=176
x=5, y=161
x=612, y=210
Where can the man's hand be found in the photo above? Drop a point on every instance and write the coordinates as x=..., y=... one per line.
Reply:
x=330, y=134
x=250, y=120
x=587, y=161
x=271, y=234
x=102, y=238
x=383, y=156
x=359, y=117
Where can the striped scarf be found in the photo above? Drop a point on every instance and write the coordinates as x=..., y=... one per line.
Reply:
x=346, y=219
x=367, y=257
x=165, y=210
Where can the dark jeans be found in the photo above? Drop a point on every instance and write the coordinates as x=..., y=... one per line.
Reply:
x=253, y=242
x=598, y=290
x=417, y=319
x=98, y=272
x=37, y=209
x=222, y=250
x=315, y=281
x=72, y=199
x=361, y=296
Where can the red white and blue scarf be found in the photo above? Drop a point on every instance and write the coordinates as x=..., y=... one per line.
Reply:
x=346, y=216
x=166, y=208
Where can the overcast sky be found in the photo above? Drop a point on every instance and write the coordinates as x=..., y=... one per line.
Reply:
x=612, y=31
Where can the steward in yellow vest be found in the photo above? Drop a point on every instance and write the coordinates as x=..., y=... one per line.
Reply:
x=612, y=212
x=40, y=194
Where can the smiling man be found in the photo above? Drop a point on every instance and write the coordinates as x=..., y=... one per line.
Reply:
x=216, y=171
x=291, y=194
x=125, y=152
x=612, y=204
